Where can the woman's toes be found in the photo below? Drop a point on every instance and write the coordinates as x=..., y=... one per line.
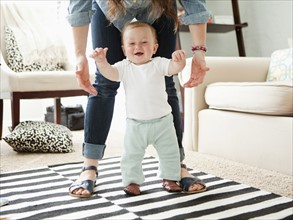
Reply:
x=79, y=191
x=196, y=187
x=85, y=192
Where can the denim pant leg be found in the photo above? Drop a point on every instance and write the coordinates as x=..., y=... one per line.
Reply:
x=99, y=111
x=167, y=43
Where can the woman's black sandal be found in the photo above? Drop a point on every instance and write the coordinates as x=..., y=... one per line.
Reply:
x=187, y=182
x=88, y=185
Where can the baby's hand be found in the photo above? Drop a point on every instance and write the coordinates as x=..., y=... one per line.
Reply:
x=99, y=54
x=178, y=55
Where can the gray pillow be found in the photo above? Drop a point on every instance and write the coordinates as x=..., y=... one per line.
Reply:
x=40, y=136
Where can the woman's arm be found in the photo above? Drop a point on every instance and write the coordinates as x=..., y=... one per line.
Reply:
x=79, y=17
x=196, y=17
x=198, y=66
x=80, y=34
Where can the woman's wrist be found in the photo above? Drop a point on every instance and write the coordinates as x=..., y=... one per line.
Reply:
x=80, y=56
x=199, y=48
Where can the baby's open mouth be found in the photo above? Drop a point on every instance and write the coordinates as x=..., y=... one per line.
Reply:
x=138, y=54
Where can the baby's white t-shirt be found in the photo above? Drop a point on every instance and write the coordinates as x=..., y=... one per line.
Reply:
x=145, y=89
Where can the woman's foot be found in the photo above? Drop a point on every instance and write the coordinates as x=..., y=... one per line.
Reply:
x=189, y=183
x=84, y=185
x=82, y=191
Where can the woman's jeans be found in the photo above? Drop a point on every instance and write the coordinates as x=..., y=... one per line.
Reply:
x=99, y=111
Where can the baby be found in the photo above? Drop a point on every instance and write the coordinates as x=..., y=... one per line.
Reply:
x=149, y=118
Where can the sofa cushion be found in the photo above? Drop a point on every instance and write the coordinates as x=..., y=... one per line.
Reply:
x=40, y=136
x=269, y=98
x=280, y=68
x=15, y=58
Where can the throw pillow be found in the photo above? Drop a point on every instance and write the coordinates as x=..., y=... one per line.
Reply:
x=40, y=136
x=15, y=58
x=280, y=68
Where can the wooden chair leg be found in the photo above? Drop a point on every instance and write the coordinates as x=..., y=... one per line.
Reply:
x=1, y=118
x=57, y=111
x=15, y=105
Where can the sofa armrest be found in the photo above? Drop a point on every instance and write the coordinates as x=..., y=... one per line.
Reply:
x=222, y=69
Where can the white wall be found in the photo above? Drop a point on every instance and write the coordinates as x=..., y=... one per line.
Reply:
x=269, y=27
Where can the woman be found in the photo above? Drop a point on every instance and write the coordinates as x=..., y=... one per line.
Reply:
x=107, y=20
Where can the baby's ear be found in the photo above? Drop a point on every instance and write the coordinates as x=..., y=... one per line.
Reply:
x=156, y=46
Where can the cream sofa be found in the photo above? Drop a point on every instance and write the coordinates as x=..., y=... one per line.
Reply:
x=258, y=139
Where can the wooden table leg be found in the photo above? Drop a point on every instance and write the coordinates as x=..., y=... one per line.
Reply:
x=57, y=111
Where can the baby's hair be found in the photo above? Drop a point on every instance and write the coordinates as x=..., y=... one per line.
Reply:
x=136, y=24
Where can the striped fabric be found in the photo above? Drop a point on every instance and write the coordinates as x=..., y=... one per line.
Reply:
x=43, y=194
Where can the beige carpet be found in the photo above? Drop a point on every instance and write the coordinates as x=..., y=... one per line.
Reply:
x=252, y=176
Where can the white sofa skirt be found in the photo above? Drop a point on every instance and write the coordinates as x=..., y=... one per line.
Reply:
x=258, y=140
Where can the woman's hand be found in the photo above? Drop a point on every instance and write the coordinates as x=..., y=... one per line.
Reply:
x=198, y=70
x=82, y=75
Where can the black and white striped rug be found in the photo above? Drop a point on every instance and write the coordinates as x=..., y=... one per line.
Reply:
x=43, y=194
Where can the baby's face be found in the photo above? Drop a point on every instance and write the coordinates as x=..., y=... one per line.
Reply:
x=139, y=44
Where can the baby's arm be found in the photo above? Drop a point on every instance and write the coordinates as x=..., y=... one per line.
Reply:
x=178, y=62
x=108, y=71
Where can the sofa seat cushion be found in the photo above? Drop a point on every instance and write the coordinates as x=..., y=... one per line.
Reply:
x=42, y=81
x=268, y=98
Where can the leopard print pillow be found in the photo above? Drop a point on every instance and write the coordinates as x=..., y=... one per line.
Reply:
x=40, y=136
x=15, y=58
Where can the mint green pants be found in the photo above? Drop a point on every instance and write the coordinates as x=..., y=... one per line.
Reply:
x=139, y=135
